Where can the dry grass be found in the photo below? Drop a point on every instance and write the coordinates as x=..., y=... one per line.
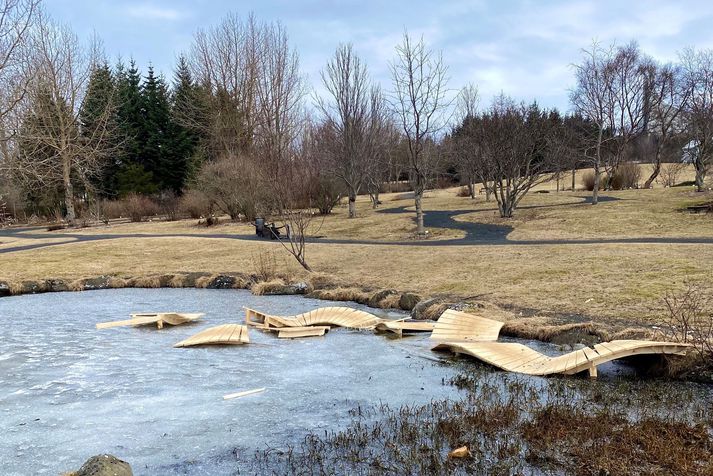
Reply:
x=535, y=329
x=342, y=294
x=146, y=282
x=609, y=283
x=267, y=287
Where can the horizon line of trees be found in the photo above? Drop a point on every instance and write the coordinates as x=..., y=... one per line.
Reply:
x=233, y=125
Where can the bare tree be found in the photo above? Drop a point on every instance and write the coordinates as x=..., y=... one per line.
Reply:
x=698, y=113
x=667, y=99
x=592, y=98
x=464, y=142
x=50, y=148
x=515, y=143
x=348, y=113
x=280, y=91
x=419, y=103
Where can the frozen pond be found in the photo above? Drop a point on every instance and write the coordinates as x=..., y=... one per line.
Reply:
x=69, y=391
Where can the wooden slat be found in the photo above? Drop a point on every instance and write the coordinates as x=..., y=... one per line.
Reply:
x=329, y=316
x=226, y=334
x=460, y=326
x=520, y=358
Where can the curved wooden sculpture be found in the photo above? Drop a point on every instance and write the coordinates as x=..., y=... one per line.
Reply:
x=456, y=326
x=324, y=316
x=226, y=334
x=159, y=318
x=402, y=327
x=519, y=358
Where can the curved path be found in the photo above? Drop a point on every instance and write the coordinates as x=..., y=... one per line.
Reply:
x=475, y=233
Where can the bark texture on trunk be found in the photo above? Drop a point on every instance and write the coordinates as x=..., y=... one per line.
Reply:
x=352, y=205
x=420, y=229
x=68, y=192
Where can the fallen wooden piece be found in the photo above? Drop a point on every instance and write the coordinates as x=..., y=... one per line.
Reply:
x=159, y=318
x=226, y=334
x=461, y=452
x=324, y=316
x=519, y=358
x=456, y=326
x=294, y=332
x=230, y=396
x=402, y=326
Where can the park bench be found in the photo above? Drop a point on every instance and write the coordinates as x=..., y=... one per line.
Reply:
x=269, y=230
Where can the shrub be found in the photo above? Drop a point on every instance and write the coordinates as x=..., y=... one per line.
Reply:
x=112, y=209
x=195, y=204
x=139, y=207
x=588, y=181
x=396, y=187
x=670, y=173
x=627, y=175
x=464, y=191
x=169, y=205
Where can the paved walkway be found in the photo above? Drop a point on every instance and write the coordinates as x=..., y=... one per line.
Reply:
x=475, y=234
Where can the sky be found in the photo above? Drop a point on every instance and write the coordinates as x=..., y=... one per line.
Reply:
x=522, y=48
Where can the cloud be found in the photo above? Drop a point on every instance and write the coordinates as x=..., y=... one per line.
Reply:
x=147, y=11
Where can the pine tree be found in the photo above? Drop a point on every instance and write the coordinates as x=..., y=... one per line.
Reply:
x=130, y=121
x=186, y=117
x=98, y=119
x=157, y=149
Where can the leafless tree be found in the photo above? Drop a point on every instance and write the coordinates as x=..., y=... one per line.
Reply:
x=280, y=115
x=515, y=143
x=419, y=103
x=349, y=112
x=592, y=98
x=50, y=150
x=698, y=113
x=464, y=145
x=666, y=101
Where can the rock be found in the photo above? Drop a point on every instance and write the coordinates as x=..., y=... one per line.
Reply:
x=4, y=289
x=285, y=289
x=429, y=309
x=222, y=282
x=31, y=287
x=104, y=465
x=56, y=285
x=408, y=301
x=379, y=296
x=101, y=282
x=461, y=452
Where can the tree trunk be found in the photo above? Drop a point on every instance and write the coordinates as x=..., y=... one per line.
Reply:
x=657, y=169
x=700, y=175
x=471, y=189
x=574, y=175
x=558, y=182
x=597, y=171
x=352, y=204
x=487, y=191
x=68, y=191
x=418, y=194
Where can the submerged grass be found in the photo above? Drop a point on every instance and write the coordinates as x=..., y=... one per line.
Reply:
x=517, y=425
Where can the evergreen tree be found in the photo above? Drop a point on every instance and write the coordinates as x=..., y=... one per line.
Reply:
x=130, y=124
x=186, y=117
x=157, y=154
x=98, y=118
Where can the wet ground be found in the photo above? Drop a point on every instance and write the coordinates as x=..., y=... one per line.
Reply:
x=69, y=391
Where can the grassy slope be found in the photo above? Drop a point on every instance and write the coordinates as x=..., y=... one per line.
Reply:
x=610, y=282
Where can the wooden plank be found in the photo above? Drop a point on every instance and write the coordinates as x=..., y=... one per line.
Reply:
x=226, y=334
x=307, y=331
x=461, y=326
x=231, y=396
x=139, y=321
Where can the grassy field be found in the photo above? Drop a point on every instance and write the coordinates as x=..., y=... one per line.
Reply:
x=617, y=284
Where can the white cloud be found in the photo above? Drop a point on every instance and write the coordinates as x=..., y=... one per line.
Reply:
x=152, y=12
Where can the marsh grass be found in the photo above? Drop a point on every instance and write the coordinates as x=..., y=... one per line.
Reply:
x=517, y=425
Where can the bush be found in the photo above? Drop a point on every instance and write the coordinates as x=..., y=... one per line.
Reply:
x=169, y=205
x=396, y=187
x=670, y=173
x=464, y=191
x=195, y=204
x=627, y=175
x=139, y=207
x=588, y=181
x=112, y=209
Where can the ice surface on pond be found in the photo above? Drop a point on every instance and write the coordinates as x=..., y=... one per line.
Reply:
x=69, y=391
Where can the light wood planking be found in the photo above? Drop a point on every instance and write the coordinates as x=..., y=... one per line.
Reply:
x=324, y=316
x=226, y=334
x=159, y=318
x=519, y=358
x=456, y=326
x=294, y=332
x=402, y=327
